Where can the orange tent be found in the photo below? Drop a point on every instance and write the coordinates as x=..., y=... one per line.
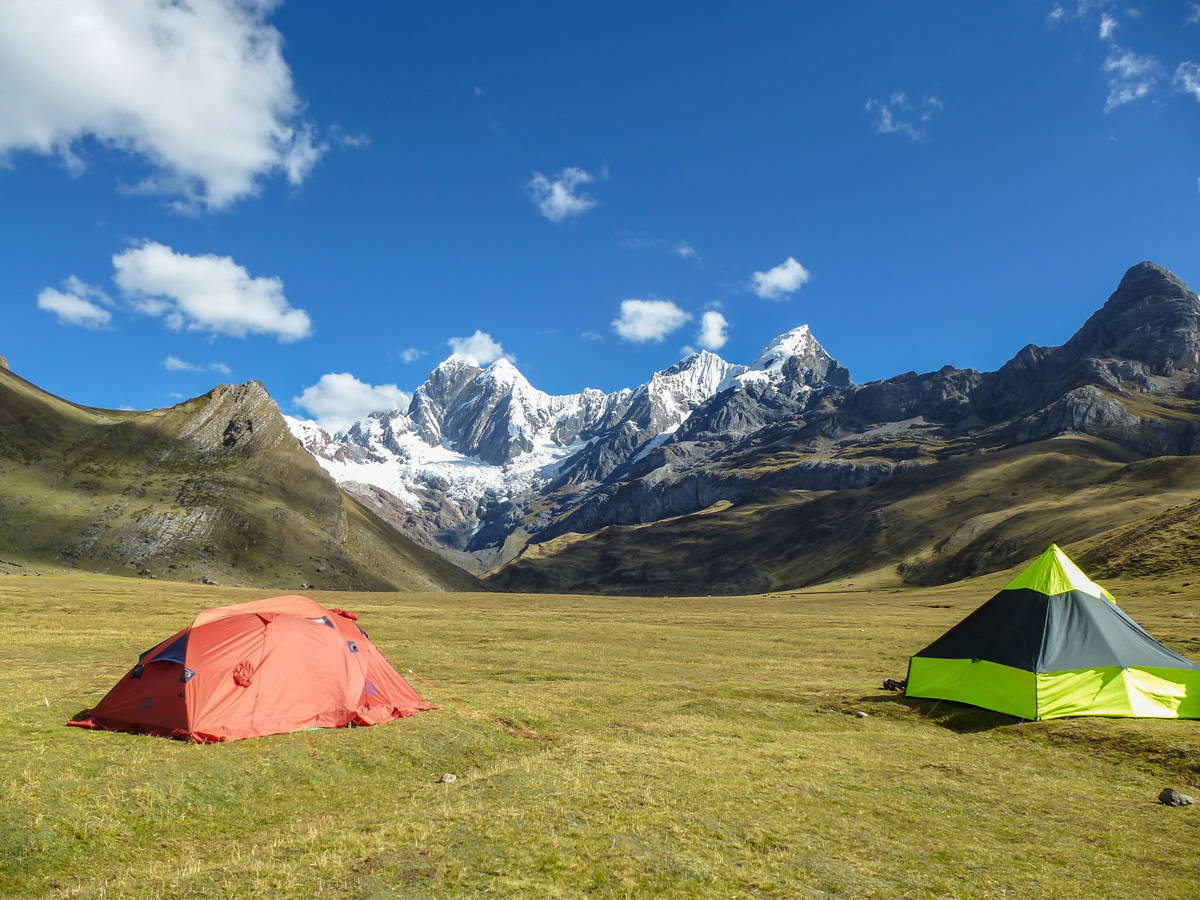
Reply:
x=267, y=667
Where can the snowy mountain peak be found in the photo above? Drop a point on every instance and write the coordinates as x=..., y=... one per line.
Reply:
x=795, y=356
x=797, y=342
x=696, y=377
x=475, y=440
x=504, y=374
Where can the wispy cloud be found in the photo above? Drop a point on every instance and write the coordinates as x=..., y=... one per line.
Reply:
x=681, y=248
x=208, y=293
x=80, y=304
x=1187, y=79
x=786, y=278
x=359, y=141
x=1130, y=77
x=1107, y=26
x=411, y=354
x=557, y=198
x=174, y=364
x=592, y=336
x=648, y=320
x=1193, y=17
x=199, y=91
x=899, y=115
x=339, y=400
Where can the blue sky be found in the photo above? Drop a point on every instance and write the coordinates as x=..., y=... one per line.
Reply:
x=289, y=192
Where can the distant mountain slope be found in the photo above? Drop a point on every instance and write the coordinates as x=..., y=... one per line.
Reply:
x=928, y=525
x=214, y=488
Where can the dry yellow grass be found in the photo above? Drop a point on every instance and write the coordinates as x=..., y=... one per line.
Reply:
x=605, y=747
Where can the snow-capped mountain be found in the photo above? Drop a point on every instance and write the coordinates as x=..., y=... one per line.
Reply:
x=794, y=356
x=477, y=446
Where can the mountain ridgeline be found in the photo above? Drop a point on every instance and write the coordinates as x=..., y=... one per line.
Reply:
x=495, y=473
x=711, y=477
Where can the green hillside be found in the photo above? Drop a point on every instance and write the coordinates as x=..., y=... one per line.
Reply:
x=214, y=488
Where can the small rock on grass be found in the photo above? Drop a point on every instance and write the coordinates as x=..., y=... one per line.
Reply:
x=860, y=715
x=1172, y=797
x=448, y=778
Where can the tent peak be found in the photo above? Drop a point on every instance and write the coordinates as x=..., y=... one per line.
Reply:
x=1054, y=573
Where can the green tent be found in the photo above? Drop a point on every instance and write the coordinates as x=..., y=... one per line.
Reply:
x=1051, y=644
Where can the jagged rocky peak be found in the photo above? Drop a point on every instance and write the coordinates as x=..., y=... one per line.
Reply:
x=695, y=378
x=241, y=416
x=1151, y=318
x=705, y=372
x=3, y=363
x=673, y=394
x=431, y=400
x=796, y=356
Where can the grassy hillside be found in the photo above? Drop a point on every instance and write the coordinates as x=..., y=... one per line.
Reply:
x=605, y=747
x=961, y=517
x=213, y=488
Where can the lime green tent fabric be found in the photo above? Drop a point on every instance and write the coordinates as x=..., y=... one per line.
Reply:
x=1054, y=643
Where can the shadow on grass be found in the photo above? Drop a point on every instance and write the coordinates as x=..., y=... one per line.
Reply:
x=961, y=718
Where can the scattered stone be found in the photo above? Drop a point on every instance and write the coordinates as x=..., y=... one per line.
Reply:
x=448, y=778
x=1172, y=797
x=860, y=715
x=204, y=579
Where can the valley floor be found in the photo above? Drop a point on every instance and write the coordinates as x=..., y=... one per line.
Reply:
x=604, y=747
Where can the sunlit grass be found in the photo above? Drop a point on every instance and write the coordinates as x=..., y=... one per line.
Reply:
x=604, y=747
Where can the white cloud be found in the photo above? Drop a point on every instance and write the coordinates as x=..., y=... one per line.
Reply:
x=1130, y=77
x=1194, y=15
x=337, y=401
x=206, y=293
x=175, y=364
x=479, y=348
x=785, y=278
x=680, y=248
x=648, y=320
x=199, y=90
x=80, y=304
x=1187, y=78
x=713, y=332
x=411, y=354
x=898, y=115
x=359, y=141
x=1107, y=25
x=592, y=336
x=686, y=250
x=556, y=199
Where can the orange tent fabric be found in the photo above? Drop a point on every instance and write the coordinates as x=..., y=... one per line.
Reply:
x=267, y=667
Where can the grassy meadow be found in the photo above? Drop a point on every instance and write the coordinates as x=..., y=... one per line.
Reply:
x=606, y=747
